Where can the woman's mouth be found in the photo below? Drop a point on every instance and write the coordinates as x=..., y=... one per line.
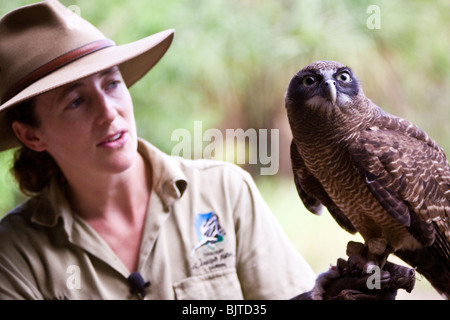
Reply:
x=116, y=137
x=115, y=140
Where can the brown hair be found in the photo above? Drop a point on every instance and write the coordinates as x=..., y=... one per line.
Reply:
x=32, y=170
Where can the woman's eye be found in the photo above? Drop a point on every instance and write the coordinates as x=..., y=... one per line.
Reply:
x=344, y=76
x=75, y=103
x=113, y=84
x=309, y=81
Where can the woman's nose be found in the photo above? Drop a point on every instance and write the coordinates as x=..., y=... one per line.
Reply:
x=107, y=109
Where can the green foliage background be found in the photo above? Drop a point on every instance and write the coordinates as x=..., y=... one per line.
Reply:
x=230, y=64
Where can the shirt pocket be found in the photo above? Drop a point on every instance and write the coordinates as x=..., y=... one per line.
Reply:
x=221, y=285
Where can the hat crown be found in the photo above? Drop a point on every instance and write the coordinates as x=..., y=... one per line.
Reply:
x=34, y=35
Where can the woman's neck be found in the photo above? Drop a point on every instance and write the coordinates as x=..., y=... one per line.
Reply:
x=110, y=196
x=116, y=208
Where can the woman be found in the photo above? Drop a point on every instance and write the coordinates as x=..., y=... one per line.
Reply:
x=111, y=216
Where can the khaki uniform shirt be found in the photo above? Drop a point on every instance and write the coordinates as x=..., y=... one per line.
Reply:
x=208, y=235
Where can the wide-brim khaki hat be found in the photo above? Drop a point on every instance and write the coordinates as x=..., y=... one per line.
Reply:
x=45, y=45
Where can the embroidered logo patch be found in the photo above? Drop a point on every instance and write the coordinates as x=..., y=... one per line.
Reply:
x=209, y=231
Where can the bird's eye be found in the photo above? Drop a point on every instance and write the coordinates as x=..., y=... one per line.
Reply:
x=344, y=76
x=309, y=81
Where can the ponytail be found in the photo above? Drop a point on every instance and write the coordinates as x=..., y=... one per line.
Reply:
x=32, y=170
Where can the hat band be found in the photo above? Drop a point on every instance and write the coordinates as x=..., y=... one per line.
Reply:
x=55, y=64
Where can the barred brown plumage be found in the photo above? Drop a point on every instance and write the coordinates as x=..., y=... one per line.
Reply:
x=377, y=174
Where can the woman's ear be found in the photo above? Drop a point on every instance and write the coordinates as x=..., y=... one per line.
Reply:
x=28, y=136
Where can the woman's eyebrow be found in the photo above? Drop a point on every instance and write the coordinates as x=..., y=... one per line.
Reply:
x=109, y=71
x=67, y=90
x=77, y=84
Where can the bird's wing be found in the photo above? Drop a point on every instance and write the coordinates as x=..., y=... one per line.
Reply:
x=312, y=193
x=409, y=175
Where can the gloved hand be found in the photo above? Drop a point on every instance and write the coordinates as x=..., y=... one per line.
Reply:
x=360, y=278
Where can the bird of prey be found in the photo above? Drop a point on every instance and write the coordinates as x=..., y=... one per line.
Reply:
x=377, y=174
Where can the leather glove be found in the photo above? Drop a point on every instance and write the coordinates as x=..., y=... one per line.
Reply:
x=360, y=278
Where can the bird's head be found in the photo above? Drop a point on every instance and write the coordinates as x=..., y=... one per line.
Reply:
x=322, y=86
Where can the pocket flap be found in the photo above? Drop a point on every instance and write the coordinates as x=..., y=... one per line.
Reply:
x=223, y=285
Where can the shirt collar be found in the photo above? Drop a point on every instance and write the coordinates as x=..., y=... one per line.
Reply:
x=169, y=183
x=51, y=205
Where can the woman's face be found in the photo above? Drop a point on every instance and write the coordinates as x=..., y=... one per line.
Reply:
x=88, y=125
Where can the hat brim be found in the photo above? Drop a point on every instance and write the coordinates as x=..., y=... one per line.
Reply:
x=134, y=59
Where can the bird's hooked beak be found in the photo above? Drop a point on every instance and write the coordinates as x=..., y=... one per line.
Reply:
x=331, y=85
